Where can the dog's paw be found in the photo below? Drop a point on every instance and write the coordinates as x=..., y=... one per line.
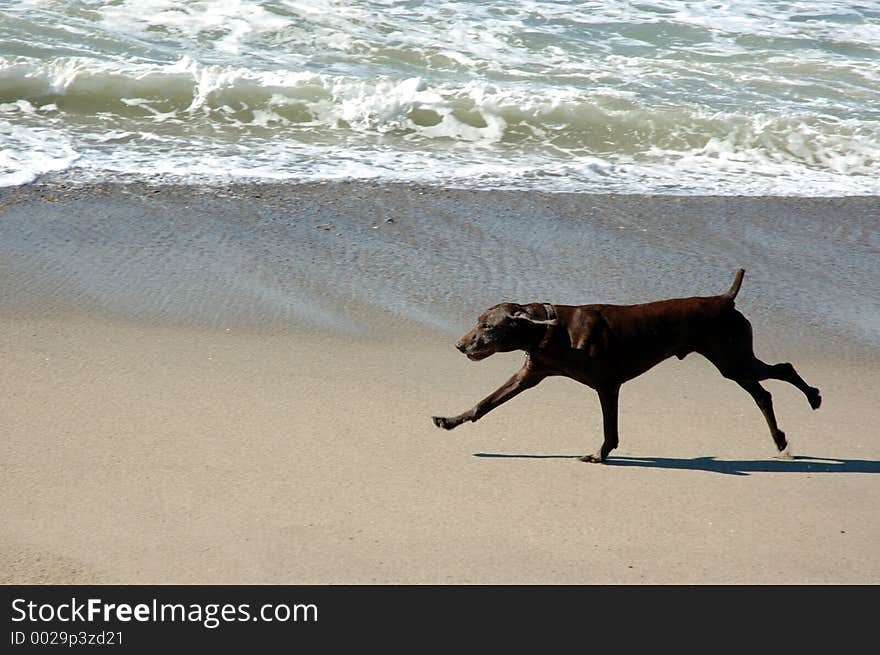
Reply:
x=785, y=454
x=593, y=459
x=814, y=398
x=443, y=422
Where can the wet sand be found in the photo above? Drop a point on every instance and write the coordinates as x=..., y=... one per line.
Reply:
x=211, y=385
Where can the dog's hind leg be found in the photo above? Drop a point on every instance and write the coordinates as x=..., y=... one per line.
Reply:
x=765, y=403
x=741, y=366
x=786, y=373
x=608, y=399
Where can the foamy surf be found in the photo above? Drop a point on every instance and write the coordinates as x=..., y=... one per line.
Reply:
x=763, y=98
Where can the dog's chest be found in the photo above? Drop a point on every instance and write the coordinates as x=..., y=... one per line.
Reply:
x=573, y=364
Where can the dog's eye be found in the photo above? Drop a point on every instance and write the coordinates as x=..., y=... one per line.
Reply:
x=486, y=327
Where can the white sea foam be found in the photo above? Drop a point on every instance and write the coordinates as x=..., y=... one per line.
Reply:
x=27, y=153
x=690, y=97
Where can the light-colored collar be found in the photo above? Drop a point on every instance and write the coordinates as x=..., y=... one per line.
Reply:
x=551, y=322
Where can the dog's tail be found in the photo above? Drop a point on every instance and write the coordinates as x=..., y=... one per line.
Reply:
x=737, y=283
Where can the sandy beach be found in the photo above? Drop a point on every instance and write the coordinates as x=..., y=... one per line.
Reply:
x=234, y=385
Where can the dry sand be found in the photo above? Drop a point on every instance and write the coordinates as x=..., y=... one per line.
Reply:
x=138, y=451
x=139, y=454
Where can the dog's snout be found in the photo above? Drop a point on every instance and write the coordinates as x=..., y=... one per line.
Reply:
x=460, y=346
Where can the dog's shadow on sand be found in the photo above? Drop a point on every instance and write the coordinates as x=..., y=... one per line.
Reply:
x=798, y=464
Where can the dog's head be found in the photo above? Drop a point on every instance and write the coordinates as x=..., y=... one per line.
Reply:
x=500, y=329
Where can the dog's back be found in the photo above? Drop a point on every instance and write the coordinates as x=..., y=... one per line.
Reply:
x=637, y=337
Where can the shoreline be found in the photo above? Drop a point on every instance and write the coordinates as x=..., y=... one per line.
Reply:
x=65, y=180
x=357, y=259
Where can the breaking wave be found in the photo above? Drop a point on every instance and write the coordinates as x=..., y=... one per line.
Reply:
x=665, y=97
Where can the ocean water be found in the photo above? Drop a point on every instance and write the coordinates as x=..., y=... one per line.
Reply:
x=706, y=97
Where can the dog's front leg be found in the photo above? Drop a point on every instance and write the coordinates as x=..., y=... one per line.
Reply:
x=525, y=378
x=608, y=399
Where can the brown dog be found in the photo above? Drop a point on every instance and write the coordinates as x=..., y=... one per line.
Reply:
x=603, y=346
